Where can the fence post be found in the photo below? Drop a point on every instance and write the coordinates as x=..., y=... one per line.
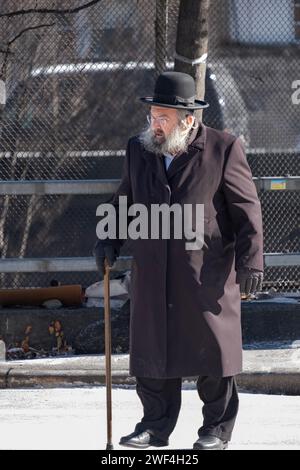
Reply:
x=2, y=350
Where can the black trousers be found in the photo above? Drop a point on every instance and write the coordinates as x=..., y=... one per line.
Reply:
x=161, y=400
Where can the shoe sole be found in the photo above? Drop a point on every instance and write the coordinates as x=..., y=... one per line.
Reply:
x=133, y=446
x=201, y=448
x=137, y=446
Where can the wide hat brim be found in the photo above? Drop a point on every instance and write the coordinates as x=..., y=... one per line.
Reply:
x=198, y=104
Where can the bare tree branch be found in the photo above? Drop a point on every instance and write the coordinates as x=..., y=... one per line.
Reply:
x=53, y=10
x=7, y=51
x=30, y=28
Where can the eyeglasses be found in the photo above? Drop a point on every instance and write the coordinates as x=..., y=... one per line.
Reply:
x=162, y=121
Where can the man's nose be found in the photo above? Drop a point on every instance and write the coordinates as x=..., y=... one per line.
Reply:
x=156, y=124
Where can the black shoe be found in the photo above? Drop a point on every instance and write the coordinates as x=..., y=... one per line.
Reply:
x=210, y=443
x=142, y=440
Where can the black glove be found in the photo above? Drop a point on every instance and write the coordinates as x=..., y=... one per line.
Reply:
x=105, y=249
x=250, y=280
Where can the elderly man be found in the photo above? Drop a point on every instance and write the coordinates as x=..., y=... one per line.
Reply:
x=185, y=303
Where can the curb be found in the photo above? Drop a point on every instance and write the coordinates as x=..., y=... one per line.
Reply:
x=285, y=383
x=269, y=371
x=272, y=383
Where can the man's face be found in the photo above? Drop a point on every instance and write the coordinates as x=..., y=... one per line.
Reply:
x=167, y=133
x=163, y=121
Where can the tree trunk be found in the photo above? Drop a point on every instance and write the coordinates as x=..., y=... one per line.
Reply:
x=191, y=42
x=161, y=23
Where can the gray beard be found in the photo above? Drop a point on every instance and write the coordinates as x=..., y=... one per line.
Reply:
x=176, y=142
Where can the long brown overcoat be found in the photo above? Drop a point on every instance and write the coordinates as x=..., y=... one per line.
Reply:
x=185, y=304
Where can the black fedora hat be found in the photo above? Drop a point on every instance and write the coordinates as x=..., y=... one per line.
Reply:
x=175, y=90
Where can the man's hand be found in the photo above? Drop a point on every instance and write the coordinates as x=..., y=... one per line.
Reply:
x=105, y=249
x=250, y=280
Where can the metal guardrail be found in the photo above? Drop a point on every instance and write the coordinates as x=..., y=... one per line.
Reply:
x=70, y=264
x=278, y=183
x=44, y=187
x=106, y=186
x=85, y=264
x=282, y=259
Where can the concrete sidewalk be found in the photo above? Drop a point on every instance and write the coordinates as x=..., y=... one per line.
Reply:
x=265, y=371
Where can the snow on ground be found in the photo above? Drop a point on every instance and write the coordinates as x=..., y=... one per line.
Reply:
x=75, y=418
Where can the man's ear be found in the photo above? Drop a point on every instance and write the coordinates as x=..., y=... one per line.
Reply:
x=190, y=120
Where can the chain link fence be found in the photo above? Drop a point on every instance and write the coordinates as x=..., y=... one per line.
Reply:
x=73, y=73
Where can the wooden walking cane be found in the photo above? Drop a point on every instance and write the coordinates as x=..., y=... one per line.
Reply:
x=107, y=323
